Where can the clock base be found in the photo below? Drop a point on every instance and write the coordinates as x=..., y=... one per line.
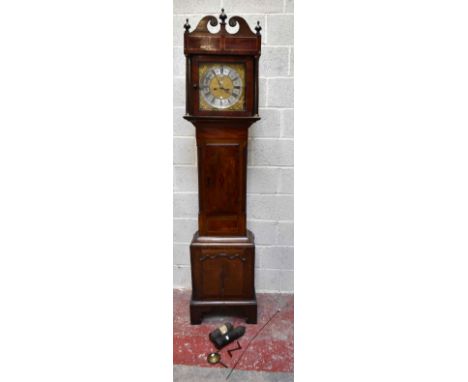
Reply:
x=223, y=277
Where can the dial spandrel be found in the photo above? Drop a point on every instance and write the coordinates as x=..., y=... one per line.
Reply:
x=222, y=86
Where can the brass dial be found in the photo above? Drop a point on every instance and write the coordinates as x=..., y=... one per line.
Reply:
x=222, y=87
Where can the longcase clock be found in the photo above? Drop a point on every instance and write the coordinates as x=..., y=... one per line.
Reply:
x=222, y=103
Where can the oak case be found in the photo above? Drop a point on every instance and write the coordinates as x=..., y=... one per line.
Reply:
x=222, y=250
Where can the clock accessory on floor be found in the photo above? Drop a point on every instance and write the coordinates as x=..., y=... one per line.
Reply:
x=222, y=103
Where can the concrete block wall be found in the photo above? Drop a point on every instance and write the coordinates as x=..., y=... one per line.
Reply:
x=270, y=177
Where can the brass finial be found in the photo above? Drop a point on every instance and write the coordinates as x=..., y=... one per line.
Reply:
x=223, y=16
x=258, y=28
x=186, y=25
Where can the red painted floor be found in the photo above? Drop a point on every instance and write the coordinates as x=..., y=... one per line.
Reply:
x=272, y=350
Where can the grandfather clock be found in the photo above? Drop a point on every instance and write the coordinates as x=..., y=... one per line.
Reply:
x=222, y=103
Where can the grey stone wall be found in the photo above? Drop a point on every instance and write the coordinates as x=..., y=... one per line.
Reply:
x=271, y=147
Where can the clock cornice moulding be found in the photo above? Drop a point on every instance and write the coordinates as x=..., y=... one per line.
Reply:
x=244, y=28
x=202, y=40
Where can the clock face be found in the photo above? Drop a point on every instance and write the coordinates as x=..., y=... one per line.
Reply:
x=222, y=86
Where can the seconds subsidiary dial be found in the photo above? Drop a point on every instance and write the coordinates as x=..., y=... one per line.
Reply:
x=222, y=87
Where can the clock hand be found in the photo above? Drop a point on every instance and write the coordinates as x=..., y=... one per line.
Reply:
x=220, y=82
x=221, y=88
x=226, y=90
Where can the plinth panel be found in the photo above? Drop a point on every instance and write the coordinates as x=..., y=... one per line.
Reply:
x=222, y=272
x=223, y=276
